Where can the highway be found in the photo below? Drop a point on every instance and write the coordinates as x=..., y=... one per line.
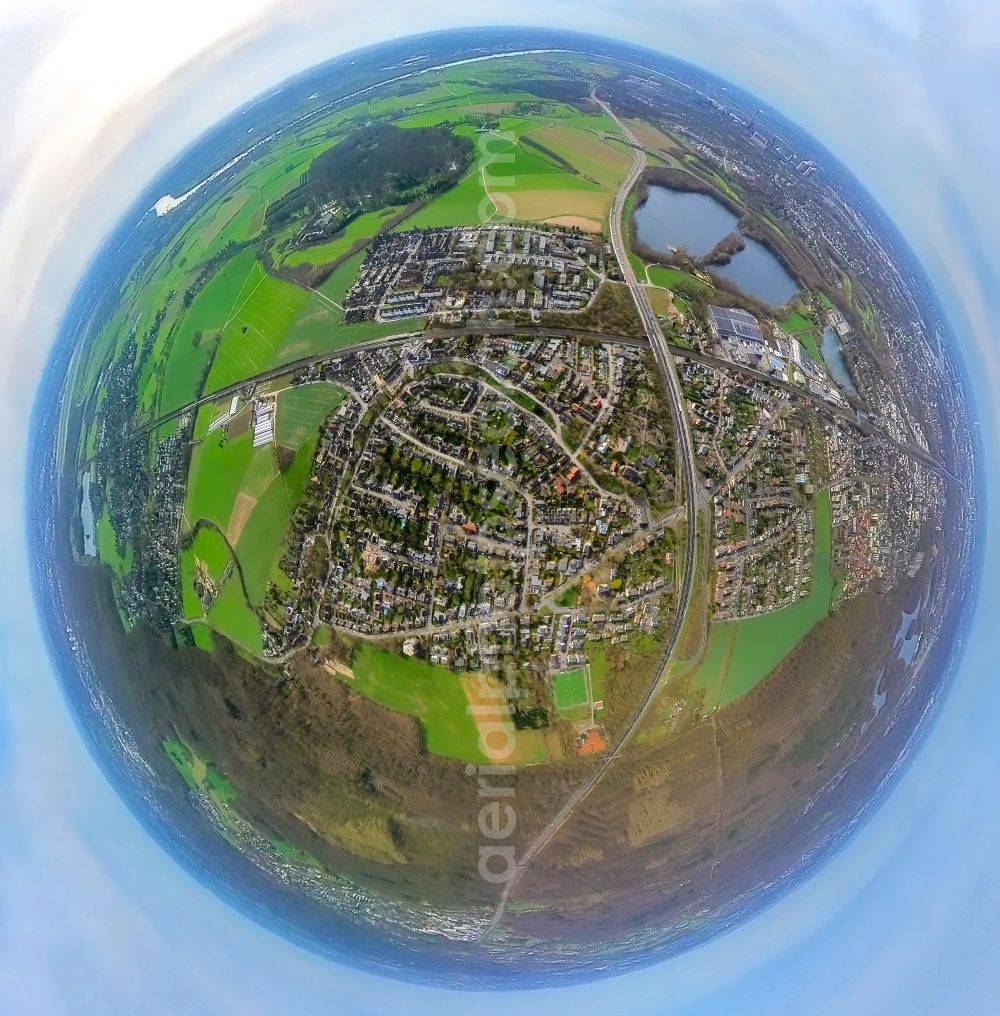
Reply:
x=691, y=489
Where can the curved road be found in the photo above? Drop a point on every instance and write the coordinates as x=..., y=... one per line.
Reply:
x=685, y=447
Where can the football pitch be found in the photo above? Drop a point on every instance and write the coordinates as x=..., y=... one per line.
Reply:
x=571, y=689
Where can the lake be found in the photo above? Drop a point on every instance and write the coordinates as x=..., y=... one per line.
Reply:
x=87, y=519
x=697, y=222
x=906, y=642
x=834, y=357
x=670, y=218
x=758, y=272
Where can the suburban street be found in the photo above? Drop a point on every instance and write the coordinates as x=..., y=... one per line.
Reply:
x=690, y=491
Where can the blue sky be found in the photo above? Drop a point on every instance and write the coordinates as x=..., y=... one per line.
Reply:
x=95, y=96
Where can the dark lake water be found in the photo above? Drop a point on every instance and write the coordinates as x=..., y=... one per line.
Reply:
x=758, y=272
x=835, y=360
x=697, y=222
x=670, y=218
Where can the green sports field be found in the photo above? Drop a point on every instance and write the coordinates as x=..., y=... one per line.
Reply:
x=569, y=689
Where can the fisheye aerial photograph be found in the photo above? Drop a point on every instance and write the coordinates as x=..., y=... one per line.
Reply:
x=498, y=508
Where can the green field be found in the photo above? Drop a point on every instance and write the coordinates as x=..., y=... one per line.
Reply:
x=256, y=327
x=804, y=329
x=598, y=678
x=203, y=637
x=301, y=411
x=230, y=615
x=242, y=491
x=212, y=550
x=218, y=466
x=292, y=853
x=740, y=654
x=107, y=547
x=263, y=536
x=361, y=228
x=463, y=204
x=675, y=279
x=197, y=773
x=569, y=689
x=433, y=694
x=190, y=603
x=192, y=347
x=572, y=176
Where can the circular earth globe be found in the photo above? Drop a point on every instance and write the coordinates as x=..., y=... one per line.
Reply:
x=502, y=511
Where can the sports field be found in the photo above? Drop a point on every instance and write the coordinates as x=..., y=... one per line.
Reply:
x=569, y=689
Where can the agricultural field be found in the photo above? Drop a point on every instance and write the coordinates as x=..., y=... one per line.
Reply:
x=179, y=374
x=740, y=654
x=255, y=327
x=302, y=409
x=533, y=170
x=240, y=498
x=231, y=616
